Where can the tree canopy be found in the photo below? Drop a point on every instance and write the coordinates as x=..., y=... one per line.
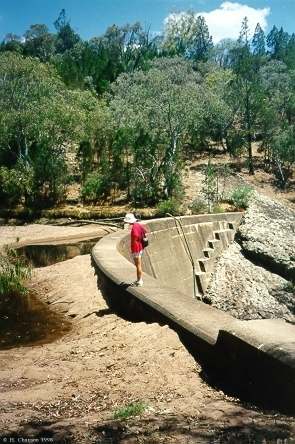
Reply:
x=131, y=107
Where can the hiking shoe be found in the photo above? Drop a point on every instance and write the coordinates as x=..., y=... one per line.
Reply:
x=137, y=283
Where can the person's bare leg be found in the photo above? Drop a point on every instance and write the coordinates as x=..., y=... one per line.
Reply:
x=137, y=262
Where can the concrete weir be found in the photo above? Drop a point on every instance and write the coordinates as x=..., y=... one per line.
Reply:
x=257, y=356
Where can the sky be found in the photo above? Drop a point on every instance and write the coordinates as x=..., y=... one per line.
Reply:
x=91, y=17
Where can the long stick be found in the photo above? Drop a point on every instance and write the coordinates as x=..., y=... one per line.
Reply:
x=187, y=248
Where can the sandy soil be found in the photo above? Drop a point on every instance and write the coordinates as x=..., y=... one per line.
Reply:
x=261, y=181
x=68, y=390
x=30, y=233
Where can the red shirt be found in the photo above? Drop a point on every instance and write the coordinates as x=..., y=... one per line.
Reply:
x=137, y=233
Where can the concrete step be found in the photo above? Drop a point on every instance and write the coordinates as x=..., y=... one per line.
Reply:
x=207, y=264
x=216, y=245
x=202, y=280
x=231, y=234
x=225, y=236
x=209, y=252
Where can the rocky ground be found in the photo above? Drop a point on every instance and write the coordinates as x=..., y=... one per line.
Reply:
x=267, y=235
x=248, y=291
x=69, y=390
x=254, y=276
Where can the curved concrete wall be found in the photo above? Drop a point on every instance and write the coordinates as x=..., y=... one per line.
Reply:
x=167, y=258
x=260, y=354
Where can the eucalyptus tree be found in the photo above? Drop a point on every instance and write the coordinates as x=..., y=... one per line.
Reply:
x=39, y=117
x=154, y=113
x=39, y=42
x=13, y=43
x=245, y=91
x=277, y=42
x=277, y=118
x=96, y=63
x=258, y=42
x=66, y=37
x=187, y=34
x=221, y=53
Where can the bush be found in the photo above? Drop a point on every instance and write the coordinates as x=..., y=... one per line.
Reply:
x=217, y=209
x=172, y=206
x=50, y=174
x=13, y=274
x=240, y=196
x=16, y=183
x=94, y=188
x=129, y=410
x=198, y=206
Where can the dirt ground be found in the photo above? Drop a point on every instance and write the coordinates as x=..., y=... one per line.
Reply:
x=262, y=181
x=34, y=233
x=69, y=390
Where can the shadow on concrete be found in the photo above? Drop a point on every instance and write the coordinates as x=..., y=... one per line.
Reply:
x=158, y=429
x=250, y=391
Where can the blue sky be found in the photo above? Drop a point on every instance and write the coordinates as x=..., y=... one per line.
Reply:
x=91, y=17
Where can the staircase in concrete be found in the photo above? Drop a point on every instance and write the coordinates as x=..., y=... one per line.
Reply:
x=259, y=355
x=220, y=240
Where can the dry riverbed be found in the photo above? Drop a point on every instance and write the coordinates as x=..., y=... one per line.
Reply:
x=68, y=390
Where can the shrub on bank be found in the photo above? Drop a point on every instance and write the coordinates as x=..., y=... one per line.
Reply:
x=198, y=206
x=15, y=183
x=13, y=274
x=240, y=196
x=130, y=410
x=94, y=188
x=171, y=206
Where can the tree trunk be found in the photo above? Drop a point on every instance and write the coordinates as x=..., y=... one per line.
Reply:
x=170, y=165
x=249, y=135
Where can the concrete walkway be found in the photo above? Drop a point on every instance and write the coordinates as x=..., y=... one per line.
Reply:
x=258, y=354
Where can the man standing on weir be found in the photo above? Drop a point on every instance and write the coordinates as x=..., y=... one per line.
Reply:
x=138, y=233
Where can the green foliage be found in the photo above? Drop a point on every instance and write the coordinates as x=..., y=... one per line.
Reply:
x=210, y=185
x=97, y=63
x=187, y=34
x=198, y=206
x=284, y=154
x=217, y=209
x=94, y=188
x=171, y=206
x=240, y=196
x=39, y=117
x=16, y=183
x=130, y=410
x=153, y=112
x=39, y=42
x=50, y=175
x=13, y=274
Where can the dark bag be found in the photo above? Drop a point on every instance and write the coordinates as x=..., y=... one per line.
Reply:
x=145, y=241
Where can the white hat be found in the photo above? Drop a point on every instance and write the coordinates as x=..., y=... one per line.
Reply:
x=130, y=218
